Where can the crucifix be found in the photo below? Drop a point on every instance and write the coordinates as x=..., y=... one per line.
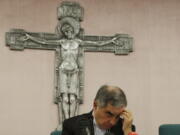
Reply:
x=69, y=44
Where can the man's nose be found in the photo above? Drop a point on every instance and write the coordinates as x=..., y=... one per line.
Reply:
x=113, y=121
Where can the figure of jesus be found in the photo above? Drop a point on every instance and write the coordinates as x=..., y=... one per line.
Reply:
x=68, y=97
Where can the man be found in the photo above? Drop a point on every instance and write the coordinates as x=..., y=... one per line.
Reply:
x=108, y=116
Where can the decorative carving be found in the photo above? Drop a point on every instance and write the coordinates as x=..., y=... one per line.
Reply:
x=70, y=9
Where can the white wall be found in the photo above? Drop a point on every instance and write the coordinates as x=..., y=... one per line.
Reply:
x=150, y=75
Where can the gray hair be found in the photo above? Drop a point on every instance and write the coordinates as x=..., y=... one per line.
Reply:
x=111, y=95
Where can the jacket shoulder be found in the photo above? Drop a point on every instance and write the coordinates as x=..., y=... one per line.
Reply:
x=79, y=120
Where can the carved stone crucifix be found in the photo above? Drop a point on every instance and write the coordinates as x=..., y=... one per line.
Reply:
x=69, y=44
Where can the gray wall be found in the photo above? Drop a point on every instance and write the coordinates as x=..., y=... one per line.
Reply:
x=150, y=75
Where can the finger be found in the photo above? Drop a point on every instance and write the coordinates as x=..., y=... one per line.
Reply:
x=127, y=115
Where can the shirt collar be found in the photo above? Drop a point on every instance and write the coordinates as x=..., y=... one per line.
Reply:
x=96, y=127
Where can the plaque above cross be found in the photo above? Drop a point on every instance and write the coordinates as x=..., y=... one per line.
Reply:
x=69, y=44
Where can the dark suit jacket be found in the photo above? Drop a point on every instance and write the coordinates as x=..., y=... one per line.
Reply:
x=78, y=125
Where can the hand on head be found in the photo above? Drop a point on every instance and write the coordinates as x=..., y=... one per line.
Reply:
x=128, y=119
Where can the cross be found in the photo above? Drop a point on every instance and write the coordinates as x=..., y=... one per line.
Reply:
x=69, y=44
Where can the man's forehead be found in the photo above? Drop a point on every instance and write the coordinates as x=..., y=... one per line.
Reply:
x=114, y=110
